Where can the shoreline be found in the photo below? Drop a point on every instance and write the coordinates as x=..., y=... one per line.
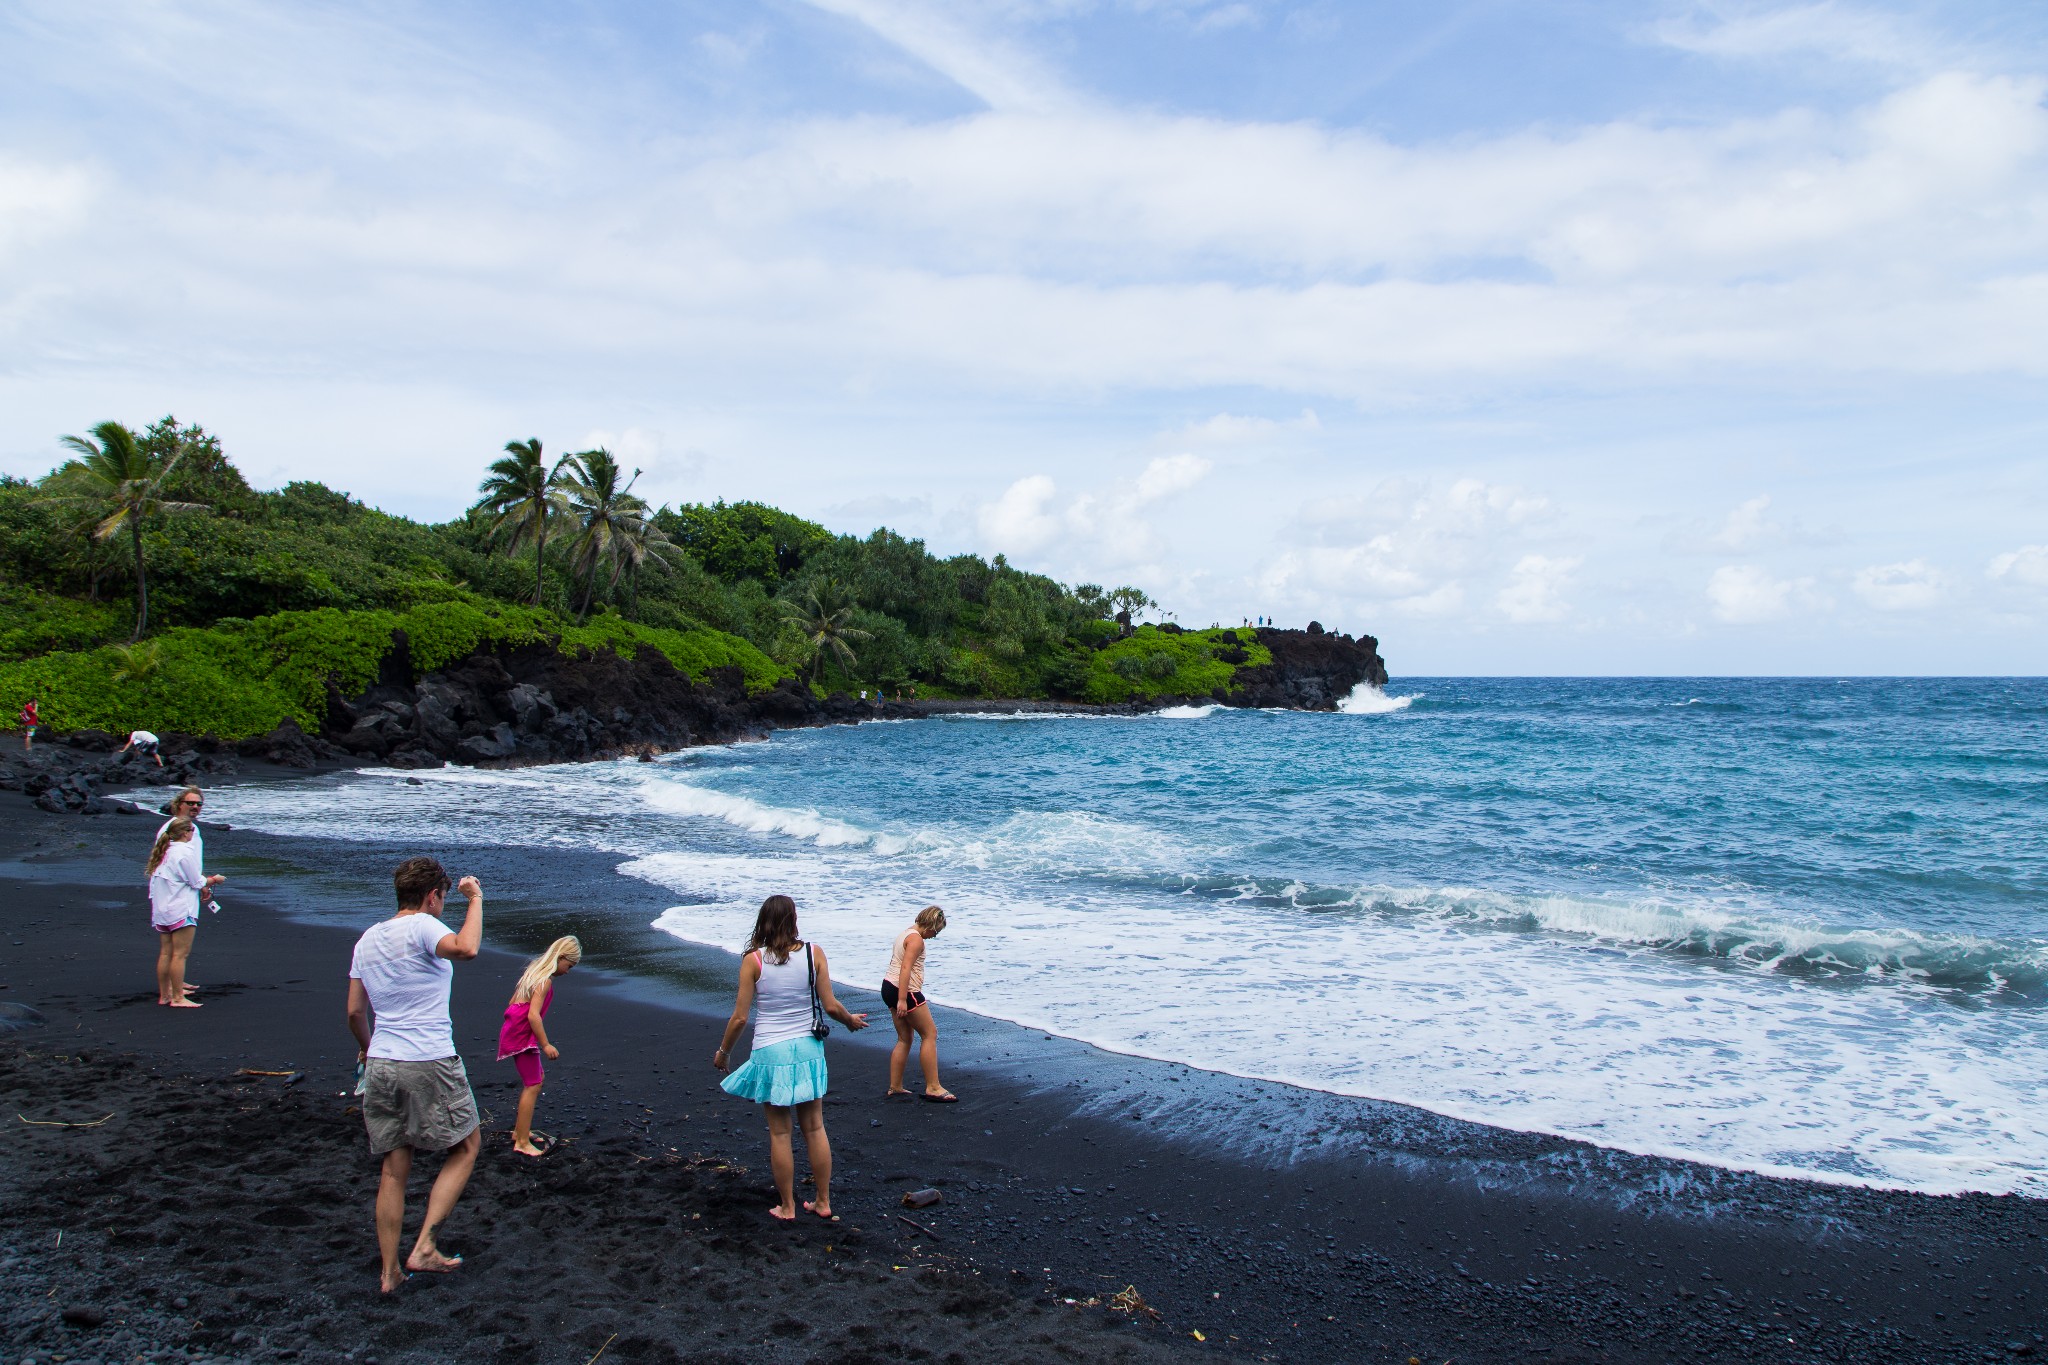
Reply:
x=1405, y=1232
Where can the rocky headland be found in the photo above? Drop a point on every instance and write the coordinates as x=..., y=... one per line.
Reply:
x=532, y=704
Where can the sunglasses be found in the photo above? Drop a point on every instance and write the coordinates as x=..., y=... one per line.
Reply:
x=192, y=801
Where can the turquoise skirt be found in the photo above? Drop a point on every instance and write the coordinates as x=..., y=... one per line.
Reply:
x=784, y=1074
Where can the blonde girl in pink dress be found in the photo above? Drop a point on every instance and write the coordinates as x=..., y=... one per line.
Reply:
x=523, y=1038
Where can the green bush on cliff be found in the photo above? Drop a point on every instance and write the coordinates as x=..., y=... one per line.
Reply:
x=245, y=677
x=1158, y=663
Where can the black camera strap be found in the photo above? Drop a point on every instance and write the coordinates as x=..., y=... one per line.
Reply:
x=819, y=1028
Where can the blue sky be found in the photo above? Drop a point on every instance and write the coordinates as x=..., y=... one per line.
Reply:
x=1546, y=336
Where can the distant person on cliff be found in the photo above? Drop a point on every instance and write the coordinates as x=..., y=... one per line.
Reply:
x=523, y=1037
x=29, y=719
x=175, y=884
x=144, y=744
x=415, y=1091
x=792, y=984
x=903, y=996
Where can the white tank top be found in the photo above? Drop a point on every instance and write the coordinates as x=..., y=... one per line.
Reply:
x=782, y=1000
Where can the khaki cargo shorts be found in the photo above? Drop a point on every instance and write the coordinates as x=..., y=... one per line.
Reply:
x=427, y=1106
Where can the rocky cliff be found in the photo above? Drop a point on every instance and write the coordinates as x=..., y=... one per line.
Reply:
x=1312, y=670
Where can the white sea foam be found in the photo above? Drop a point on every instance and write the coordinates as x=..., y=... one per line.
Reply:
x=1368, y=700
x=1188, y=712
x=1542, y=1034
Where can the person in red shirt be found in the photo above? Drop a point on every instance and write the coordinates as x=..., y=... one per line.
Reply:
x=29, y=720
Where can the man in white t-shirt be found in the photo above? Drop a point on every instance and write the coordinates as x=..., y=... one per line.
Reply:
x=144, y=744
x=415, y=1091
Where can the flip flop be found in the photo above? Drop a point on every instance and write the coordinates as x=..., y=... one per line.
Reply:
x=947, y=1098
x=810, y=1206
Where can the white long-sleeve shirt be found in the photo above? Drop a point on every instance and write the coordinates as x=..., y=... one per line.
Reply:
x=175, y=886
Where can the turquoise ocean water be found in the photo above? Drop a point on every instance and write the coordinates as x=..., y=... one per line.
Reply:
x=1798, y=926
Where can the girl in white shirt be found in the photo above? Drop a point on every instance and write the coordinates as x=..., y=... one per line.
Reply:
x=175, y=882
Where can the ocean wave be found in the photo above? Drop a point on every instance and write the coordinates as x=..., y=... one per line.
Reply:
x=743, y=812
x=1368, y=700
x=1188, y=712
x=1951, y=961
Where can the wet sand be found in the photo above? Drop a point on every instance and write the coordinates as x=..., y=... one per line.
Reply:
x=229, y=1215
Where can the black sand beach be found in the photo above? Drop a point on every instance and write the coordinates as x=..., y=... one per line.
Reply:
x=224, y=1215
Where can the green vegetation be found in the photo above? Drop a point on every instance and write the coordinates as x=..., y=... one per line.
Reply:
x=239, y=677
x=253, y=599
x=1155, y=663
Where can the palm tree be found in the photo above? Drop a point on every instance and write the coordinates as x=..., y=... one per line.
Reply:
x=637, y=546
x=825, y=629
x=135, y=663
x=525, y=498
x=118, y=484
x=602, y=500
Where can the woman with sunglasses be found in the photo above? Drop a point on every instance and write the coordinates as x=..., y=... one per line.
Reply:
x=186, y=805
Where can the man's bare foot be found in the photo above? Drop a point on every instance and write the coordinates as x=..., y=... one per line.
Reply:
x=432, y=1259
x=823, y=1208
x=781, y=1215
x=185, y=1004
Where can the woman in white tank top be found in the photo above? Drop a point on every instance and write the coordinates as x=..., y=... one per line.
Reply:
x=785, y=1071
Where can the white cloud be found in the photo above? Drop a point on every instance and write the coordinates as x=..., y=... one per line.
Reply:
x=1108, y=526
x=1021, y=521
x=39, y=200
x=1534, y=592
x=1227, y=17
x=1230, y=429
x=1043, y=247
x=1746, y=527
x=1835, y=31
x=1170, y=474
x=1409, y=549
x=1746, y=594
x=1913, y=585
x=2027, y=566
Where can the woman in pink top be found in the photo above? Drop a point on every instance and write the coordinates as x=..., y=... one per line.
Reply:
x=524, y=1037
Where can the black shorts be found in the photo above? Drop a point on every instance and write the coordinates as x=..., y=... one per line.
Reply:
x=889, y=997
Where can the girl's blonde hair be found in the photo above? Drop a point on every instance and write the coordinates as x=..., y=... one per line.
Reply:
x=931, y=918
x=541, y=970
x=171, y=834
